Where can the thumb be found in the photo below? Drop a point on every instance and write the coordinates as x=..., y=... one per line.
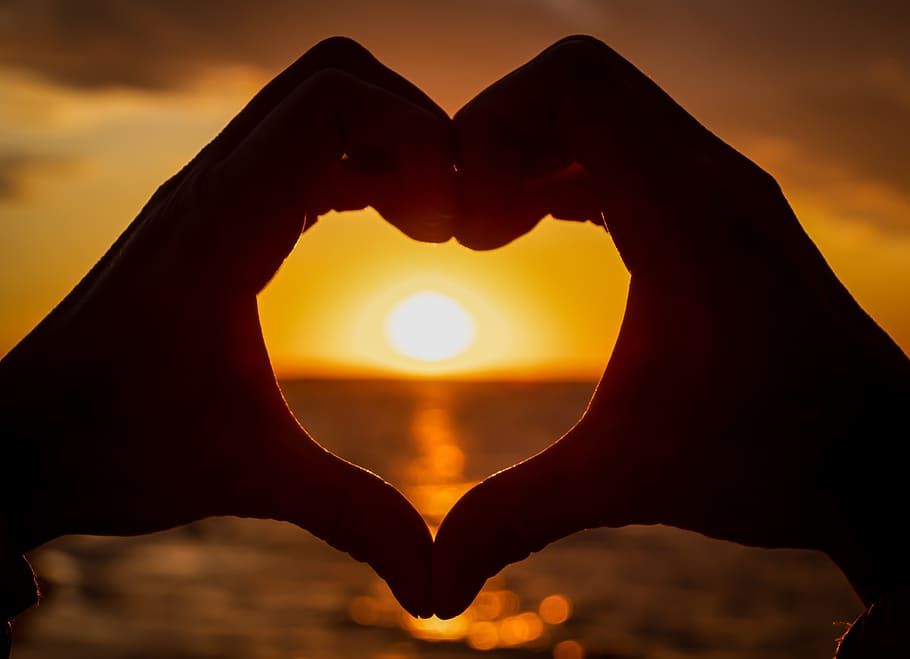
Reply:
x=353, y=510
x=509, y=516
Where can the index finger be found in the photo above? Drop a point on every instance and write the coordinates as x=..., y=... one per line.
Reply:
x=654, y=170
x=338, y=53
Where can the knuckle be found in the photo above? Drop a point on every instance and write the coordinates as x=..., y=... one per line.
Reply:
x=767, y=182
x=583, y=41
x=581, y=50
x=338, y=50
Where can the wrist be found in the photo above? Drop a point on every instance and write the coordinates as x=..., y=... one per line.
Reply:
x=866, y=474
x=871, y=571
x=18, y=589
x=38, y=412
x=880, y=630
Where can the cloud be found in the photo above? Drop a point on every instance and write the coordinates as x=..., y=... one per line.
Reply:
x=13, y=168
x=162, y=44
x=831, y=77
x=101, y=43
x=18, y=169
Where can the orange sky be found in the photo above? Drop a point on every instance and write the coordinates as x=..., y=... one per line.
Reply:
x=97, y=109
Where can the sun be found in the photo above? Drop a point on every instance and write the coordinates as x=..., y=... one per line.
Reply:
x=430, y=327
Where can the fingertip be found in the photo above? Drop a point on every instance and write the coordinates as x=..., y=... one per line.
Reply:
x=339, y=49
x=427, y=227
x=467, y=551
x=453, y=588
x=457, y=603
x=480, y=241
x=481, y=235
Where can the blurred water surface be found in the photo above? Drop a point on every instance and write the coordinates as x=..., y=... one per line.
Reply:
x=266, y=590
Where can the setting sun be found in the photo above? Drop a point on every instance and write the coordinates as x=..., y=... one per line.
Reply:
x=430, y=327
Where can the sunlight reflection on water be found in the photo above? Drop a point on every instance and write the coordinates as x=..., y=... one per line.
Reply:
x=434, y=482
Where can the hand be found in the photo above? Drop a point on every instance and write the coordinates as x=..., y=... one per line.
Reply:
x=147, y=400
x=748, y=396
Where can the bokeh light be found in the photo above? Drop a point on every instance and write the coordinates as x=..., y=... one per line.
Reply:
x=568, y=650
x=483, y=635
x=555, y=609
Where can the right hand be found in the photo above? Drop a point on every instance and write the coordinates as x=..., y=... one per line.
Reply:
x=748, y=396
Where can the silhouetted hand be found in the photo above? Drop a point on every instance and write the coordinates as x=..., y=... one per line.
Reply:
x=748, y=397
x=147, y=400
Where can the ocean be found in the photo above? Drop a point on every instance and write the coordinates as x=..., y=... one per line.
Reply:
x=232, y=588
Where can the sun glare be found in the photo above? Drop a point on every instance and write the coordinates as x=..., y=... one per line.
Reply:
x=430, y=327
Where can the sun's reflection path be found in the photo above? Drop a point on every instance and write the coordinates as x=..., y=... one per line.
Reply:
x=435, y=475
x=434, y=480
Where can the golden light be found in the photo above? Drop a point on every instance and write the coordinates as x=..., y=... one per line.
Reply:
x=569, y=650
x=520, y=628
x=437, y=629
x=430, y=327
x=483, y=635
x=555, y=609
x=487, y=605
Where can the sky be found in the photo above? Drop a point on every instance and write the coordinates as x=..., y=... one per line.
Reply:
x=102, y=100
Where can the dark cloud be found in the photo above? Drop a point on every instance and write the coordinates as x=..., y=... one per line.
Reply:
x=101, y=43
x=18, y=168
x=13, y=168
x=165, y=43
x=831, y=77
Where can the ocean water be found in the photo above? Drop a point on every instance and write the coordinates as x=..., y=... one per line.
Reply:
x=266, y=590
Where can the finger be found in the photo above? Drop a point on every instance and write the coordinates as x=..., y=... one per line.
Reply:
x=339, y=53
x=567, y=194
x=509, y=140
x=397, y=158
x=340, y=143
x=349, y=508
x=497, y=155
x=510, y=515
x=659, y=175
x=537, y=122
x=336, y=142
x=347, y=56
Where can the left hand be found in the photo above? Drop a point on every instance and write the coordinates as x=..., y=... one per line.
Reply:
x=146, y=399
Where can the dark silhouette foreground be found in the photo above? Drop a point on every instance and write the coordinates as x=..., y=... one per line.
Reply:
x=748, y=397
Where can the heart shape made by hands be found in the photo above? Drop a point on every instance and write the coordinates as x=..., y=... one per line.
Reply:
x=714, y=413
